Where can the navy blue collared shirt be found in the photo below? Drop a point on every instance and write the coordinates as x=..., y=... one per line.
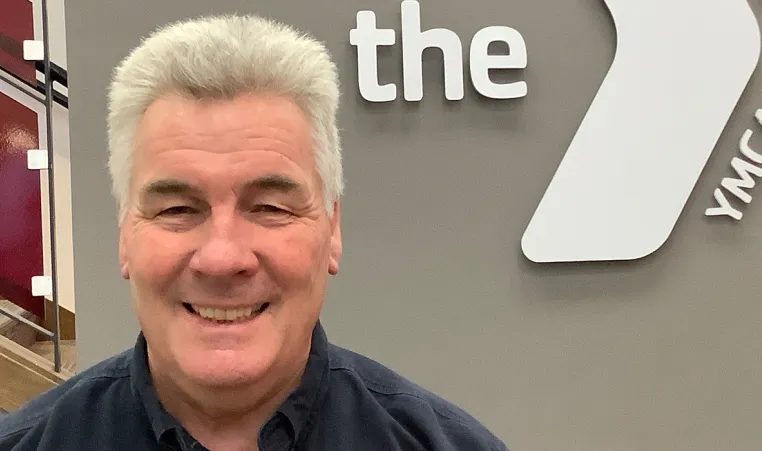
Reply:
x=346, y=402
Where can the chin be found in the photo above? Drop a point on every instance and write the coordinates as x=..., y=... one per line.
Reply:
x=228, y=367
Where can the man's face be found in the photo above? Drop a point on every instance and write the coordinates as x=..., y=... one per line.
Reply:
x=227, y=221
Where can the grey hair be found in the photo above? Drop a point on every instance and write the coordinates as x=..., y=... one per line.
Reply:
x=221, y=57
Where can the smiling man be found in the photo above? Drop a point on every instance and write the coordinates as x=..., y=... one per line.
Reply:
x=226, y=167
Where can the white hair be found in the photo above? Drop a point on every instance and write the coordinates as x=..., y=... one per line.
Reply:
x=221, y=57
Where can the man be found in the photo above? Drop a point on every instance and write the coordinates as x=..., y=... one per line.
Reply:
x=226, y=168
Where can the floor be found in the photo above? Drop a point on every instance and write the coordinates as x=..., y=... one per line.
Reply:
x=26, y=337
x=68, y=353
x=14, y=330
x=19, y=381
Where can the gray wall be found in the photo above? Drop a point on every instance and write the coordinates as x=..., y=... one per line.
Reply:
x=659, y=354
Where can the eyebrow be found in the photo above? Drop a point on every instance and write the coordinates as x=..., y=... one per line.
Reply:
x=269, y=182
x=170, y=188
x=273, y=182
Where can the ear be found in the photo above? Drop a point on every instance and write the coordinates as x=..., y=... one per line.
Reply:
x=335, y=257
x=123, y=254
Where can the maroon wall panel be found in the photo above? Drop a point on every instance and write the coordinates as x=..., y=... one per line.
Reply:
x=20, y=206
x=16, y=25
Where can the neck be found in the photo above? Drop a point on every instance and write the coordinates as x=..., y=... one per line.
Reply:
x=225, y=418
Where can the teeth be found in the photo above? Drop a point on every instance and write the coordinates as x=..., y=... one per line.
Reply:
x=224, y=315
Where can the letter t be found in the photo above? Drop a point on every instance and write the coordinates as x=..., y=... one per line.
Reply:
x=367, y=38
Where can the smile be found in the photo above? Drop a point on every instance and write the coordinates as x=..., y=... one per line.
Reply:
x=218, y=315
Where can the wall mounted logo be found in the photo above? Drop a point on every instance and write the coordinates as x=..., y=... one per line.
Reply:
x=679, y=70
x=366, y=37
x=744, y=168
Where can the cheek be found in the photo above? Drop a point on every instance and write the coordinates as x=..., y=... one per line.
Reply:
x=297, y=258
x=155, y=257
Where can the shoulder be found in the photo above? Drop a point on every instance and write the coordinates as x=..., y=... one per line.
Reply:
x=62, y=405
x=410, y=407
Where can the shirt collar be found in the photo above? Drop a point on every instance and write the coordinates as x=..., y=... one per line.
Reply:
x=300, y=408
x=142, y=387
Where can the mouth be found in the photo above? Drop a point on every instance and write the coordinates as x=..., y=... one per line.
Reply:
x=226, y=316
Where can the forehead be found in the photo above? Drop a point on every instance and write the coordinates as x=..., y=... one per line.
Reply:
x=249, y=129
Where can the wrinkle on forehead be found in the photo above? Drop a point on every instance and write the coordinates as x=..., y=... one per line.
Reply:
x=175, y=128
x=248, y=122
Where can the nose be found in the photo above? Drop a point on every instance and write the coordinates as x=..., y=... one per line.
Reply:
x=224, y=252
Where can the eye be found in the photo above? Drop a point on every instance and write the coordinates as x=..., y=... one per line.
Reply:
x=269, y=209
x=178, y=210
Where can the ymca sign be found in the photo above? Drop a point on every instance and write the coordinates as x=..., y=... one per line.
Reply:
x=648, y=133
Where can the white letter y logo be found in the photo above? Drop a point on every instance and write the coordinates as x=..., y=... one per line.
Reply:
x=679, y=70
